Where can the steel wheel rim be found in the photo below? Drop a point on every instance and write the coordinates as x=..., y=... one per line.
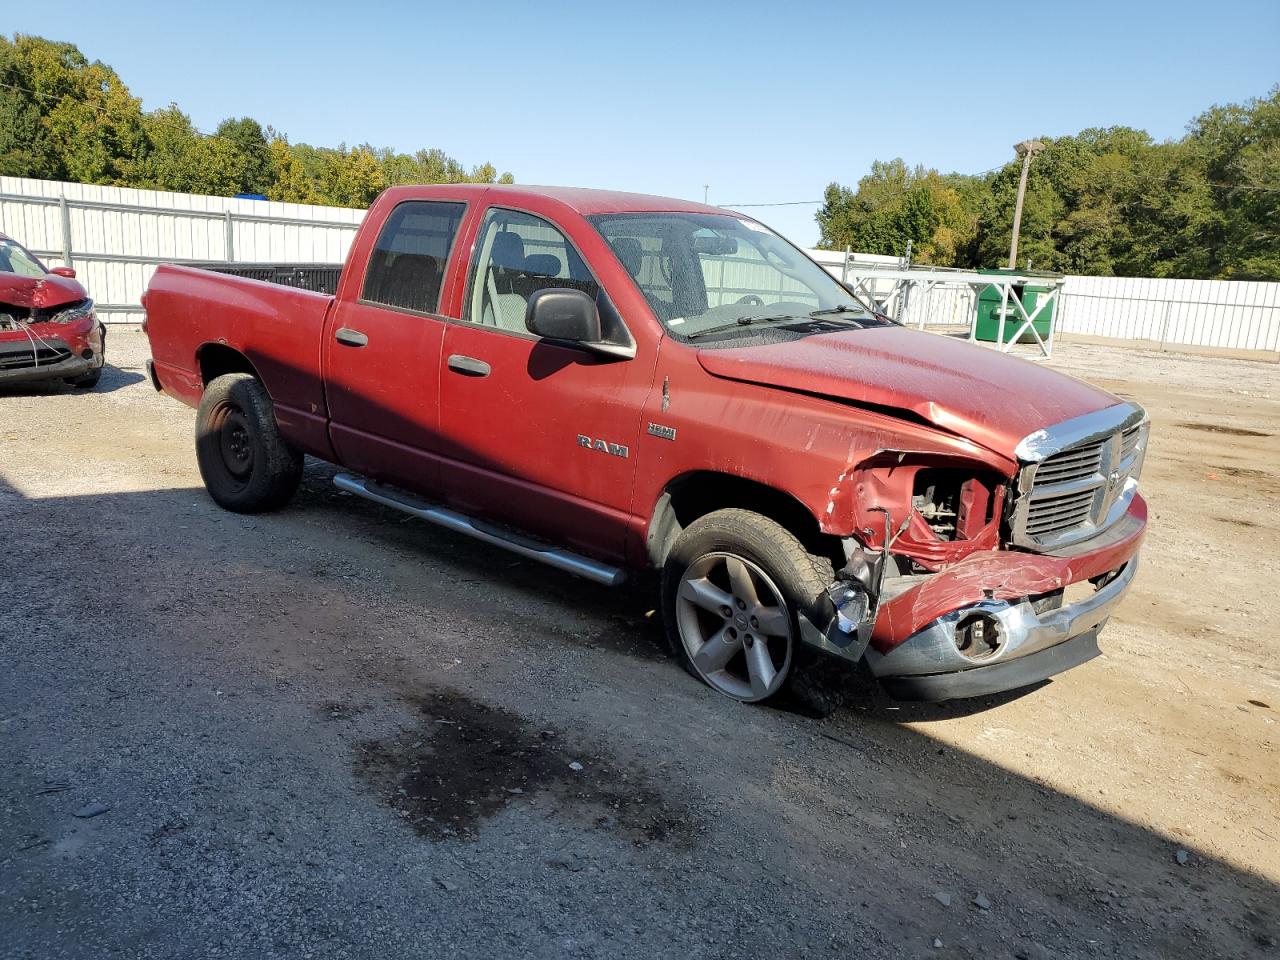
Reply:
x=235, y=444
x=722, y=600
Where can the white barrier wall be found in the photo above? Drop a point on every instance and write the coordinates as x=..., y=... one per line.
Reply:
x=1230, y=314
x=115, y=236
x=1222, y=314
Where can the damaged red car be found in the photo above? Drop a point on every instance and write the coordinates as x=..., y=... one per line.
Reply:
x=48, y=327
x=609, y=383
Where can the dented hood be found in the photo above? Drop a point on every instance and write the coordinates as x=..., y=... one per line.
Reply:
x=39, y=293
x=976, y=392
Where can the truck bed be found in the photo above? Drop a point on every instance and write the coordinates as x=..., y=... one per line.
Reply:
x=192, y=312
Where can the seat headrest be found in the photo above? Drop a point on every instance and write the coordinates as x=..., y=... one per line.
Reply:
x=413, y=266
x=508, y=251
x=629, y=253
x=542, y=264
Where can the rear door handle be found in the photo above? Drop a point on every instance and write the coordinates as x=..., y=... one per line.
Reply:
x=350, y=338
x=468, y=366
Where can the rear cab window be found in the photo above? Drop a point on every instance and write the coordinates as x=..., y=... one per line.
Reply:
x=407, y=266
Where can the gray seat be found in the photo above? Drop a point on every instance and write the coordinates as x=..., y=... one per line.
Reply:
x=503, y=306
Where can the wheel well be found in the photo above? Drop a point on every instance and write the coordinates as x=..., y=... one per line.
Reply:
x=696, y=494
x=216, y=359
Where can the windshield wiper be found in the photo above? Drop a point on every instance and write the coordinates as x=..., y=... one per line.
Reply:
x=745, y=322
x=863, y=307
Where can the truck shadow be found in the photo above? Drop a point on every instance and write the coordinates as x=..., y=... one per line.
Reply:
x=113, y=378
x=633, y=622
x=291, y=602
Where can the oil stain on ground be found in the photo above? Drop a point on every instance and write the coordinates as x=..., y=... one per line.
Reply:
x=466, y=761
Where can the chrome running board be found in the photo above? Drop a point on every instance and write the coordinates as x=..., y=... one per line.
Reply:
x=459, y=523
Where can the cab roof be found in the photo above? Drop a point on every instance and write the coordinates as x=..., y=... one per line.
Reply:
x=582, y=200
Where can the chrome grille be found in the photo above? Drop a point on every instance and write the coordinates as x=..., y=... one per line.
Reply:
x=1077, y=478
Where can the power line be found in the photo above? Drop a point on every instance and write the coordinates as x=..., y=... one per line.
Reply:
x=980, y=173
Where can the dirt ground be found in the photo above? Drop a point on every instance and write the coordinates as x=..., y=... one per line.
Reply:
x=334, y=732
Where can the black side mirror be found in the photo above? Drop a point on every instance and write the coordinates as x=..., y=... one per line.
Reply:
x=558, y=313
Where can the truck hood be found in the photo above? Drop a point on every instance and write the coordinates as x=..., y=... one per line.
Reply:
x=39, y=293
x=975, y=392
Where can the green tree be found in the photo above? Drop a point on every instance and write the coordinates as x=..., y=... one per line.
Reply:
x=352, y=178
x=87, y=118
x=893, y=205
x=26, y=148
x=252, y=157
x=289, y=180
x=65, y=118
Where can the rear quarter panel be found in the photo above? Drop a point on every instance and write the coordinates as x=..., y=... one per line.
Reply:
x=277, y=328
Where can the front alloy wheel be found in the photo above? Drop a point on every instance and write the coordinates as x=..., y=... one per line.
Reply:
x=735, y=626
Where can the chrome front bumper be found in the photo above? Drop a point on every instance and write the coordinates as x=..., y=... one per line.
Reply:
x=1023, y=633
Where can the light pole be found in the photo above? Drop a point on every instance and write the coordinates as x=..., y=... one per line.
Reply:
x=1026, y=150
x=706, y=190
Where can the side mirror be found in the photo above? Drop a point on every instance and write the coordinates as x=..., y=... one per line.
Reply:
x=68, y=272
x=563, y=314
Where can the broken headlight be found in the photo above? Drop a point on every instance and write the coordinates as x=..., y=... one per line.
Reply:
x=75, y=313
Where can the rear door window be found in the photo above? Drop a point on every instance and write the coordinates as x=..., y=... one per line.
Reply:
x=406, y=268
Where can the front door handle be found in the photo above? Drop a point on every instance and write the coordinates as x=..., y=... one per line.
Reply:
x=468, y=366
x=350, y=338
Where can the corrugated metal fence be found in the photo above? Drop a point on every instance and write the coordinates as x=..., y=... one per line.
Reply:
x=115, y=237
x=1219, y=314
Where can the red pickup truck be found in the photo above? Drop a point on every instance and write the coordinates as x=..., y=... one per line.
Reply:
x=610, y=382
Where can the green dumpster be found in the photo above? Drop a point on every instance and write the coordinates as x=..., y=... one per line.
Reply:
x=990, y=300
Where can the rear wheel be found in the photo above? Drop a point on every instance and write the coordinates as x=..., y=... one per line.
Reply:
x=245, y=463
x=731, y=589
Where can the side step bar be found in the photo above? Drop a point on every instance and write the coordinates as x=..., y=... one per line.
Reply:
x=459, y=523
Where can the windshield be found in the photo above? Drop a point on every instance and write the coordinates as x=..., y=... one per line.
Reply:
x=14, y=259
x=715, y=274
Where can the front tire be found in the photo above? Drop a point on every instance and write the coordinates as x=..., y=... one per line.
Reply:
x=246, y=465
x=88, y=381
x=731, y=589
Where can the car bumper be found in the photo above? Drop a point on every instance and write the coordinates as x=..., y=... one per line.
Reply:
x=1035, y=634
x=1033, y=646
x=53, y=352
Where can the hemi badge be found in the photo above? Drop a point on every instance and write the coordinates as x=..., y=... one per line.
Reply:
x=666, y=433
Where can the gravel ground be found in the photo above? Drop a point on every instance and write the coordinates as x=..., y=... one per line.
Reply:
x=334, y=732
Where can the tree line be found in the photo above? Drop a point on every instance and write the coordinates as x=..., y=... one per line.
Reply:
x=1104, y=202
x=63, y=117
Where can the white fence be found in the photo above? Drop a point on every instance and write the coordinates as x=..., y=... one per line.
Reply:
x=115, y=237
x=1227, y=314
x=1218, y=314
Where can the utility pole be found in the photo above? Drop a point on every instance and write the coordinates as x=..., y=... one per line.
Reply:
x=1026, y=150
x=706, y=189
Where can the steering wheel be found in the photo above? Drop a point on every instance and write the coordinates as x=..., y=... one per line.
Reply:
x=751, y=299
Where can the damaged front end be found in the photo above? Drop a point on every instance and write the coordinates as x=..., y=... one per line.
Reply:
x=49, y=343
x=963, y=581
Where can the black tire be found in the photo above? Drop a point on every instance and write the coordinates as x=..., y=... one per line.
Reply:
x=88, y=381
x=800, y=577
x=246, y=465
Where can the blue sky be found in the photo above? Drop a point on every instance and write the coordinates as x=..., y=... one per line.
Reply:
x=765, y=102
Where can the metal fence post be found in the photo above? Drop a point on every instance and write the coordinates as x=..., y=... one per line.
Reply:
x=66, y=229
x=1164, y=326
x=229, y=243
